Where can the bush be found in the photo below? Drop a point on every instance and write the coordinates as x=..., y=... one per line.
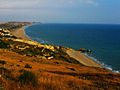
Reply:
x=5, y=73
x=28, y=78
x=2, y=62
x=1, y=86
x=28, y=66
x=3, y=44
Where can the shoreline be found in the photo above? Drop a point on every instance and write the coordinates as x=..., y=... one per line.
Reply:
x=20, y=33
x=83, y=59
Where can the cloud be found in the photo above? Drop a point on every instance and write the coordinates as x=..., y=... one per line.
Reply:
x=17, y=3
x=43, y=3
x=92, y=2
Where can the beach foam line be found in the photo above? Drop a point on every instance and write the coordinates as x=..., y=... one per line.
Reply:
x=34, y=38
x=108, y=67
x=82, y=58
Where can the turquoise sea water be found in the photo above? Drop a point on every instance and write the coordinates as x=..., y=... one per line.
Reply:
x=103, y=40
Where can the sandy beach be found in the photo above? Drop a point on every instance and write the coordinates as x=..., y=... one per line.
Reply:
x=20, y=33
x=82, y=58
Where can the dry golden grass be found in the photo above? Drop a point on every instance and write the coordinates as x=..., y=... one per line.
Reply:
x=54, y=74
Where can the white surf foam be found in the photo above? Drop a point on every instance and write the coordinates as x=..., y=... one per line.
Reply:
x=108, y=67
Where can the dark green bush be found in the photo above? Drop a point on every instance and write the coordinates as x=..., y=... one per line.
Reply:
x=3, y=71
x=3, y=44
x=28, y=66
x=28, y=78
x=2, y=62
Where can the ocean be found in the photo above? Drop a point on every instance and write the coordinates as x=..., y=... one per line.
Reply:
x=102, y=39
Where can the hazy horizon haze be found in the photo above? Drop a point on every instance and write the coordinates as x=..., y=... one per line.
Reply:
x=62, y=11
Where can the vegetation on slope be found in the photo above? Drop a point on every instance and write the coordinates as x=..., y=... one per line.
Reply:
x=33, y=66
x=52, y=74
x=32, y=48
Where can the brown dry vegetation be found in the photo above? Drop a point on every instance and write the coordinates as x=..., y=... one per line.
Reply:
x=52, y=74
x=25, y=66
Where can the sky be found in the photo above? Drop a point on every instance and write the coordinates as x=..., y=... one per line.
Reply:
x=61, y=11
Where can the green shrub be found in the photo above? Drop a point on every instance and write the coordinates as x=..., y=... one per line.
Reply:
x=3, y=44
x=28, y=66
x=28, y=78
x=2, y=62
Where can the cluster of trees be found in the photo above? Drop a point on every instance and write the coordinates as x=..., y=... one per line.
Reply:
x=3, y=44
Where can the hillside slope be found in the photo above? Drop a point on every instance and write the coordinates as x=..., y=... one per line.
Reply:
x=26, y=64
x=53, y=74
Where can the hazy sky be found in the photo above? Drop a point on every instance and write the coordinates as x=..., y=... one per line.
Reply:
x=61, y=11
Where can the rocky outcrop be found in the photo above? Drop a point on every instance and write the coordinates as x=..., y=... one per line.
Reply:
x=83, y=50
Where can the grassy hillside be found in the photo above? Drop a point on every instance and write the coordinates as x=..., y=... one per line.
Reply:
x=29, y=65
x=20, y=72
